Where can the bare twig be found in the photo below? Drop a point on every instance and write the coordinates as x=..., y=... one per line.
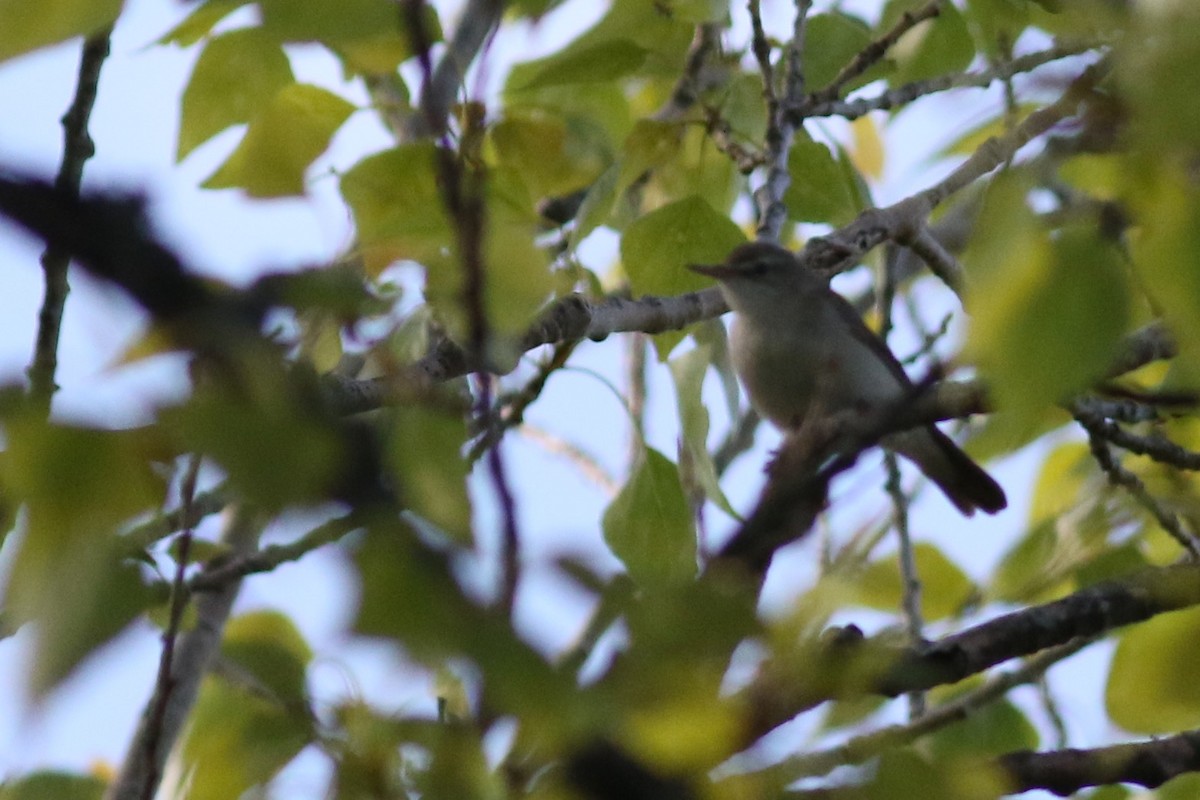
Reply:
x=1120, y=476
x=902, y=95
x=860, y=748
x=78, y=147
x=877, y=49
x=179, y=598
x=164, y=721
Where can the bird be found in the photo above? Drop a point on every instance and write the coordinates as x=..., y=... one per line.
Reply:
x=800, y=348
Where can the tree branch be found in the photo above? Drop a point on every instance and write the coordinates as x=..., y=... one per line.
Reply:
x=175, y=694
x=78, y=147
x=849, y=664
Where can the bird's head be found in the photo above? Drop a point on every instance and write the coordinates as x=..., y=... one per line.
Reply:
x=759, y=272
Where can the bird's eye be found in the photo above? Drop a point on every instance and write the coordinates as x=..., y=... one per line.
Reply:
x=757, y=268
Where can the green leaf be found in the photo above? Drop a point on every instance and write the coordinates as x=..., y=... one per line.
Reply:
x=267, y=645
x=657, y=248
x=1166, y=256
x=250, y=440
x=282, y=142
x=371, y=36
x=992, y=730
x=1181, y=787
x=77, y=486
x=1036, y=349
x=237, y=738
x=996, y=22
x=53, y=785
x=28, y=25
x=198, y=23
x=425, y=454
x=688, y=371
x=831, y=41
x=398, y=211
x=409, y=595
x=548, y=153
x=938, y=46
x=1152, y=685
x=695, y=168
x=819, y=191
x=1157, y=67
x=237, y=74
x=945, y=589
x=649, y=526
x=599, y=63
x=1061, y=482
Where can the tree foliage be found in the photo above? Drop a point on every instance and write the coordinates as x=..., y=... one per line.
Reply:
x=1061, y=231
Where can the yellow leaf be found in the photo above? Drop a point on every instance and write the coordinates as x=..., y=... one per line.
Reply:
x=868, y=147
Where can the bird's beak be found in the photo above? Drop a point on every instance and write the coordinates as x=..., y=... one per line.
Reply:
x=718, y=271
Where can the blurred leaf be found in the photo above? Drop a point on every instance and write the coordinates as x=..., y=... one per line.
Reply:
x=631, y=31
x=1061, y=482
x=599, y=63
x=1152, y=685
x=938, y=46
x=994, y=22
x=851, y=711
x=745, y=109
x=868, y=154
x=409, y=595
x=945, y=589
x=77, y=485
x=237, y=74
x=1181, y=787
x=238, y=739
x=1032, y=570
x=819, y=191
x=992, y=730
x=515, y=271
x=649, y=145
x=282, y=142
x=695, y=168
x=250, y=440
x=902, y=773
x=658, y=247
x=712, y=336
x=28, y=26
x=425, y=451
x=53, y=785
x=267, y=645
x=1159, y=74
x=459, y=768
x=398, y=211
x=336, y=290
x=688, y=371
x=1035, y=349
x=831, y=41
x=649, y=526
x=198, y=23
x=549, y=154
x=1166, y=255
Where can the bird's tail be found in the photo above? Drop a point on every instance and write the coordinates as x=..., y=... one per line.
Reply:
x=963, y=481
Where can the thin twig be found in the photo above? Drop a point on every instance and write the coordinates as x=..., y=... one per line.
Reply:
x=874, y=51
x=78, y=147
x=861, y=748
x=190, y=660
x=1119, y=476
x=179, y=600
x=902, y=95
